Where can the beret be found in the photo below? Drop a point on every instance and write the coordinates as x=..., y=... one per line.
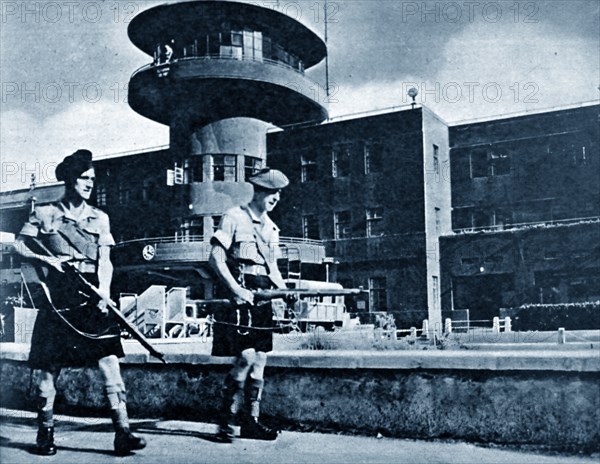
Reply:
x=73, y=165
x=269, y=179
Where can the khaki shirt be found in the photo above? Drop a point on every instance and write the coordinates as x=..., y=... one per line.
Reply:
x=239, y=232
x=45, y=221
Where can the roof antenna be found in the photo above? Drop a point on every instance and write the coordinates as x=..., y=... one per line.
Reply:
x=326, y=52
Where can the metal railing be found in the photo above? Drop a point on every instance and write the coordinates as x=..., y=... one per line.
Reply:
x=200, y=238
x=218, y=57
x=525, y=225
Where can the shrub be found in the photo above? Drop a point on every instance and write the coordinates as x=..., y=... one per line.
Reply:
x=571, y=316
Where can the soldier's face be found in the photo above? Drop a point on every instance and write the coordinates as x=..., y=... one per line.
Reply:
x=269, y=199
x=84, y=184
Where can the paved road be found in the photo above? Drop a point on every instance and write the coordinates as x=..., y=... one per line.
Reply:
x=89, y=441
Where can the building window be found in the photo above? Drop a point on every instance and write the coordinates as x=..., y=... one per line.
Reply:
x=308, y=167
x=373, y=157
x=438, y=224
x=224, y=168
x=499, y=163
x=341, y=222
x=375, y=222
x=462, y=218
x=340, y=161
x=436, y=159
x=481, y=219
x=101, y=195
x=377, y=294
x=502, y=217
x=124, y=195
x=436, y=291
x=146, y=189
x=216, y=221
x=197, y=169
x=310, y=227
x=251, y=165
x=491, y=162
x=478, y=161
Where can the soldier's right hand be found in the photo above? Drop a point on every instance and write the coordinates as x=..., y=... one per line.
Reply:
x=243, y=296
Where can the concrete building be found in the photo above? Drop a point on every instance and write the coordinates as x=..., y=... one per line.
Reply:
x=372, y=189
x=526, y=212
x=427, y=217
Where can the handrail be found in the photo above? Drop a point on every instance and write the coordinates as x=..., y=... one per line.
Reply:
x=167, y=239
x=524, y=225
x=200, y=238
x=217, y=57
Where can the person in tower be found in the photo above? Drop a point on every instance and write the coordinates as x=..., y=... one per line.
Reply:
x=73, y=329
x=244, y=256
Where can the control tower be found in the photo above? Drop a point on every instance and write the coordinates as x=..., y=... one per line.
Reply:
x=221, y=73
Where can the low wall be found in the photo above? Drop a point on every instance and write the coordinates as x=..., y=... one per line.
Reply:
x=548, y=399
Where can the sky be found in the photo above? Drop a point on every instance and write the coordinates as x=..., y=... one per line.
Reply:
x=65, y=65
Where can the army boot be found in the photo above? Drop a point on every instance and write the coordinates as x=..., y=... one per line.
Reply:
x=233, y=397
x=45, y=436
x=125, y=441
x=251, y=427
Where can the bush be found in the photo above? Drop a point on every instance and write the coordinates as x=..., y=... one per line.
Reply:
x=571, y=316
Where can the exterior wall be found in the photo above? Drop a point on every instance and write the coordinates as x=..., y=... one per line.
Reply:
x=524, y=176
x=395, y=250
x=548, y=169
x=543, y=399
x=437, y=210
x=557, y=264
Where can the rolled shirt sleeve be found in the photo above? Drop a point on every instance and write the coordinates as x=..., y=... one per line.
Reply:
x=105, y=238
x=225, y=233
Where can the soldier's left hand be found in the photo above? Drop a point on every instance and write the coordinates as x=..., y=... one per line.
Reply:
x=102, y=306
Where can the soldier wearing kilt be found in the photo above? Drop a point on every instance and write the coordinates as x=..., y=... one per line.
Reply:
x=72, y=328
x=244, y=256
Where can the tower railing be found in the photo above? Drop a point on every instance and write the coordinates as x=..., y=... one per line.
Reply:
x=218, y=57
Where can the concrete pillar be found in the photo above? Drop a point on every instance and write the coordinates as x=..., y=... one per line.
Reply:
x=507, y=324
x=562, y=336
x=425, y=330
x=496, y=325
x=413, y=333
x=448, y=325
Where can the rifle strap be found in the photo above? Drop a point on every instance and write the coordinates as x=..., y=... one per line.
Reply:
x=265, y=251
x=91, y=336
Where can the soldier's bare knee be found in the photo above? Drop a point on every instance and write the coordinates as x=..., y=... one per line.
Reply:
x=248, y=357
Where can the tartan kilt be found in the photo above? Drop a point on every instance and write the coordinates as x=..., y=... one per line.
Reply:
x=231, y=331
x=54, y=344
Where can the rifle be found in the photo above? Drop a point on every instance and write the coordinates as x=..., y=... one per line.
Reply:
x=111, y=306
x=287, y=294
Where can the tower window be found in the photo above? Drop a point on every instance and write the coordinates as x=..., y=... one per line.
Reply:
x=252, y=165
x=224, y=168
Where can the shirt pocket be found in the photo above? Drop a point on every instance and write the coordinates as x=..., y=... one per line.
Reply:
x=246, y=249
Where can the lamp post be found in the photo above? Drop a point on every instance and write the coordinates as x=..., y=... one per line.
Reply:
x=412, y=93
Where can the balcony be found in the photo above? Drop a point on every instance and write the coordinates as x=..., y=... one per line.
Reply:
x=216, y=87
x=194, y=249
